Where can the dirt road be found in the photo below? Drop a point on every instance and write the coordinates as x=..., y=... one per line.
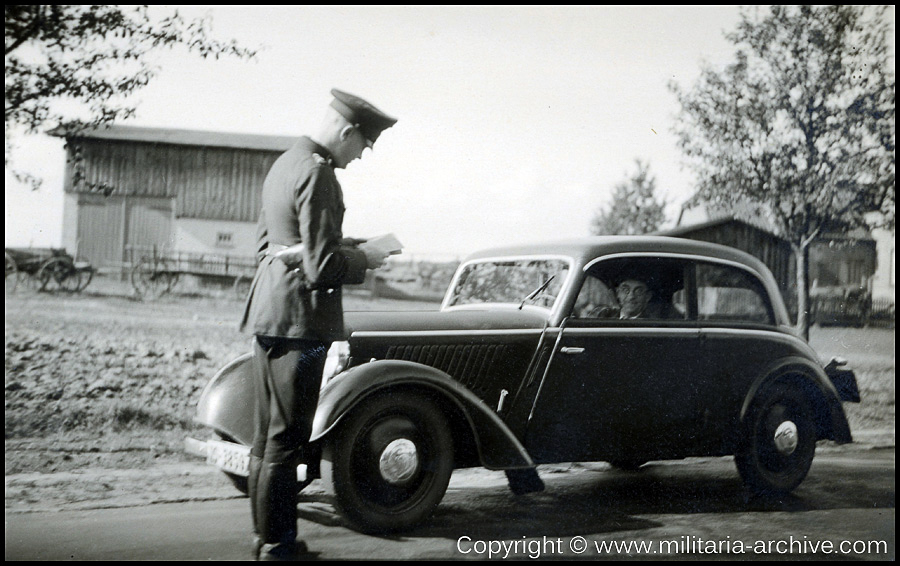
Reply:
x=676, y=510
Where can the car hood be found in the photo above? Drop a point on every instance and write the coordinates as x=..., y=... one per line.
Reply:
x=463, y=319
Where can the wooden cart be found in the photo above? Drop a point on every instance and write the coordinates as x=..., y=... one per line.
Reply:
x=46, y=269
x=155, y=273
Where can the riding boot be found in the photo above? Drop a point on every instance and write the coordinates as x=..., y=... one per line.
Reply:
x=253, y=492
x=524, y=481
x=276, y=512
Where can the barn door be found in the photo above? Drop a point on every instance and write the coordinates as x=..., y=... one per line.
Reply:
x=148, y=225
x=116, y=230
x=100, y=230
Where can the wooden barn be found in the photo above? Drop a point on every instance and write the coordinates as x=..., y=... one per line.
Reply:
x=838, y=264
x=130, y=189
x=772, y=250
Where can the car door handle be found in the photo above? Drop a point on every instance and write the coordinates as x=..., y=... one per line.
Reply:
x=571, y=350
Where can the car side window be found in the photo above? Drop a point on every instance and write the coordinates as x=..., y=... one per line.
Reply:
x=595, y=298
x=638, y=288
x=729, y=294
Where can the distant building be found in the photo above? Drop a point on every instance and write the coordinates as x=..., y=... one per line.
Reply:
x=130, y=189
x=839, y=264
x=752, y=238
x=884, y=279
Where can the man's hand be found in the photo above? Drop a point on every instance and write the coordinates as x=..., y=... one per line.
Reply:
x=291, y=256
x=375, y=257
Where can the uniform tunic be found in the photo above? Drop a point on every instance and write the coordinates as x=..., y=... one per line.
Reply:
x=295, y=312
x=302, y=202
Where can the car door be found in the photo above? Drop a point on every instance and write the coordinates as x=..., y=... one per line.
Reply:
x=739, y=335
x=616, y=388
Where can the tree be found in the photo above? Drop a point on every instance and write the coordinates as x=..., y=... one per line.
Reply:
x=801, y=124
x=75, y=66
x=635, y=208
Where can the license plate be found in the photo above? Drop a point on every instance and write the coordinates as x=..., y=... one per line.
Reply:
x=230, y=457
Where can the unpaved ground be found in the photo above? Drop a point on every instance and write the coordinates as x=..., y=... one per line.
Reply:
x=100, y=390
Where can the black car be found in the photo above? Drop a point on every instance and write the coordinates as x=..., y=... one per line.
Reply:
x=615, y=349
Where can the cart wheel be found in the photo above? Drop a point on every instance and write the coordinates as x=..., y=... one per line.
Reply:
x=72, y=283
x=87, y=275
x=151, y=279
x=30, y=281
x=53, y=274
x=12, y=274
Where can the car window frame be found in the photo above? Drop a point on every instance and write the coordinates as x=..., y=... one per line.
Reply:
x=693, y=320
x=760, y=288
x=552, y=312
x=690, y=320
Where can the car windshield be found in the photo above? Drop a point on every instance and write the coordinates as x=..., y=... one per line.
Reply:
x=517, y=282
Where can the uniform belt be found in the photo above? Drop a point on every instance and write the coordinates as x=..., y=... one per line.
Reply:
x=273, y=249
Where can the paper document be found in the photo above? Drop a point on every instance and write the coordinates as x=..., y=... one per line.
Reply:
x=387, y=243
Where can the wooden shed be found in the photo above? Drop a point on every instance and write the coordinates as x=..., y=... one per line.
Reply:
x=772, y=250
x=129, y=189
x=839, y=264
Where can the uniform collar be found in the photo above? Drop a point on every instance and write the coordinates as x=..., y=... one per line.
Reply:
x=309, y=145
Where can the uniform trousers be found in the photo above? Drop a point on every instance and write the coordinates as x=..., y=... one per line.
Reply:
x=288, y=377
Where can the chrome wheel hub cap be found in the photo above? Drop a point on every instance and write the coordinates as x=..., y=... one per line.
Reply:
x=399, y=461
x=786, y=438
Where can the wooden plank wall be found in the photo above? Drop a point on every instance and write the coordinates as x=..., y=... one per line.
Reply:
x=206, y=182
x=771, y=250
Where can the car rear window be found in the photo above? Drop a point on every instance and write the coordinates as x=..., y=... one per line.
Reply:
x=728, y=294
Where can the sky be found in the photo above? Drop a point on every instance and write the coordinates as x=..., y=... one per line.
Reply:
x=515, y=123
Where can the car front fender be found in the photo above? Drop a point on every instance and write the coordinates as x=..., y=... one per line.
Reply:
x=830, y=417
x=498, y=448
x=227, y=403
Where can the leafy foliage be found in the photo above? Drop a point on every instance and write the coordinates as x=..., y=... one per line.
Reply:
x=635, y=207
x=75, y=66
x=800, y=124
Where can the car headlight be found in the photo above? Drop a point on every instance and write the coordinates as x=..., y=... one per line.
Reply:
x=336, y=361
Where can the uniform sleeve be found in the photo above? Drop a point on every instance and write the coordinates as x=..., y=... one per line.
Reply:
x=320, y=208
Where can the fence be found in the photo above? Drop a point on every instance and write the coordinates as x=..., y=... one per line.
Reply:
x=851, y=310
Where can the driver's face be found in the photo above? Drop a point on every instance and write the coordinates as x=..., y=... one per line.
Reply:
x=633, y=297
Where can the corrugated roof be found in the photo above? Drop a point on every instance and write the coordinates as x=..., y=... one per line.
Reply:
x=182, y=137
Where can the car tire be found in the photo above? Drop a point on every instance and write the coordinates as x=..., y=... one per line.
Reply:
x=779, y=442
x=389, y=462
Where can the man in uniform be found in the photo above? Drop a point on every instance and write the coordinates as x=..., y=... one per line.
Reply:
x=294, y=306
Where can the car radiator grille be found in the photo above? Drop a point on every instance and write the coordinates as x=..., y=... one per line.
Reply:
x=471, y=365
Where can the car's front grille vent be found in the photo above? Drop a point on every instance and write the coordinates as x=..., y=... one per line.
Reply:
x=471, y=365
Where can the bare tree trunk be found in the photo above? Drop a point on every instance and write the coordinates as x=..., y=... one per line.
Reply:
x=802, y=253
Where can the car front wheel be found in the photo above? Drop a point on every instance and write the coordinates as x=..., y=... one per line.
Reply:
x=779, y=442
x=389, y=462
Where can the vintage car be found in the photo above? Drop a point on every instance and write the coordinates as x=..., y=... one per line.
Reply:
x=530, y=361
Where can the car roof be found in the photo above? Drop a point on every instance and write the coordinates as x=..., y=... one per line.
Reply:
x=584, y=250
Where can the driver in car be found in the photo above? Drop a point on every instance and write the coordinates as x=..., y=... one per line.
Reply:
x=633, y=296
